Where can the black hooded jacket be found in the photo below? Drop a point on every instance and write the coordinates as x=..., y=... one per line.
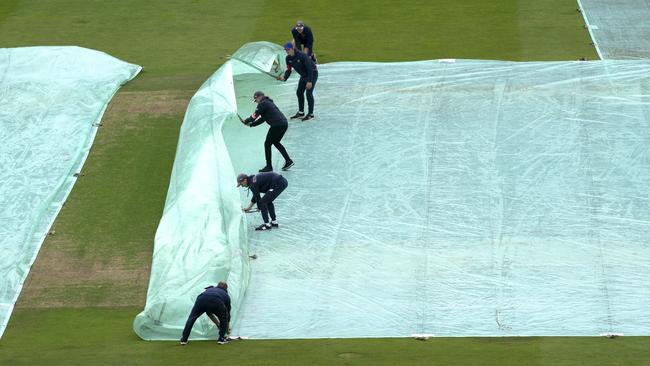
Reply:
x=268, y=112
x=303, y=65
x=306, y=38
x=261, y=183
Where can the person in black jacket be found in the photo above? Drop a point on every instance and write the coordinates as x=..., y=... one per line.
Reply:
x=215, y=302
x=271, y=184
x=308, y=77
x=303, y=39
x=268, y=112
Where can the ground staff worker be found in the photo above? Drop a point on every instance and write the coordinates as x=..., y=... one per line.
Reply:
x=303, y=39
x=271, y=184
x=215, y=302
x=268, y=112
x=308, y=77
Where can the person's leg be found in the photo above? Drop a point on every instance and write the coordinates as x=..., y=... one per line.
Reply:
x=224, y=320
x=312, y=54
x=271, y=195
x=197, y=311
x=214, y=319
x=271, y=208
x=310, y=95
x=218, y=313
x=300, y=93
x=278, y=133
x=280, y=186
x=274, y=192
x=267, y=147
x=262, y=205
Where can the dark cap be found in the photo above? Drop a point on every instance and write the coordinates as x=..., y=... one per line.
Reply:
x=300, y=24
x=257, y=94
x=288, y=46
x=240, y=179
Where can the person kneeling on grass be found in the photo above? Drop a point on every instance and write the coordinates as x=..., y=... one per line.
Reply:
x=215, y=302
x=271, y=184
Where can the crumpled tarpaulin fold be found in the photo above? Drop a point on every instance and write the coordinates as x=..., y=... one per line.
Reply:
x=202, y=236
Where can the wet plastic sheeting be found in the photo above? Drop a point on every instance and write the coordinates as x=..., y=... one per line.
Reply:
x=475, y=198
x=50, y=99
x=202, y=236
x=621, y=28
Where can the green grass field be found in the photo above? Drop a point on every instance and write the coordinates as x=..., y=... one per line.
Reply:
x=90, y=278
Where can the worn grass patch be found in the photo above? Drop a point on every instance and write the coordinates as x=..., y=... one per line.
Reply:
x=100, y=251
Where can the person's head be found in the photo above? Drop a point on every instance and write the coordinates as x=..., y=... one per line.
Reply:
x=242, y=180
x=289, y=48
x=257, y=96
x=300, y=26
x=223, y=285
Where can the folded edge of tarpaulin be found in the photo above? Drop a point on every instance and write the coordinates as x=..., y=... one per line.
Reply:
x=202, y=236
x=51, y=102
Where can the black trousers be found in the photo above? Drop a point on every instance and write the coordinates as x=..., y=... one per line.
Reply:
x=273, y=137
x=211, y=305
x=265, y=204
x=300, y=92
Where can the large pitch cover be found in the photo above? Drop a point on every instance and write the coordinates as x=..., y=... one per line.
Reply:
x=461, y=198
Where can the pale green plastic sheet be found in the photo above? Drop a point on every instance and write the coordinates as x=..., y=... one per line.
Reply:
x=446, y=197
x=51, y=99
x=202, y=236
x=466, y=198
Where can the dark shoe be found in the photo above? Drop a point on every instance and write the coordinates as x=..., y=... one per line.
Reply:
x=298, y=115
x=287, y=165
x=274, y=224
x=307, y=117
x=263, y=227
x=222, y=341
x=266, y=169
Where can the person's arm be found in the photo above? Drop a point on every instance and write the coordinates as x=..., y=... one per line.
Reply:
x=258, y=121
x=256, y=193
x=250, y=119
x=228, y=306
x=296, y=38
x=309, y=40
x=287, y=72
x=247, y=209
x=256, y=196
x=214, y=319
x=256, y=118
x=241, y=119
